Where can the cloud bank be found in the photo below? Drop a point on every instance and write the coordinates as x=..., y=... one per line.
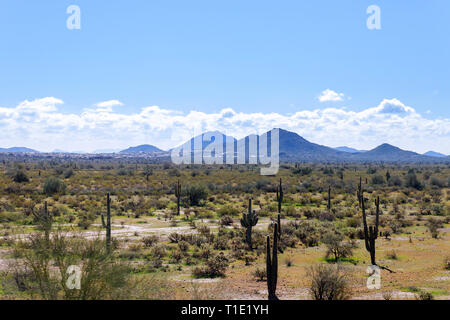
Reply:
x=40, y=125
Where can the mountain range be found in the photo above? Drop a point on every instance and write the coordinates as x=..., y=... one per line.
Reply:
x=294, y=148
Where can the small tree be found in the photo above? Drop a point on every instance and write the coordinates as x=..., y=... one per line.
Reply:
x=148, y=171
x=336, y=246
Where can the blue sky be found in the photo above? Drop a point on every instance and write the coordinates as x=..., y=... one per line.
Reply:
x=205, y=56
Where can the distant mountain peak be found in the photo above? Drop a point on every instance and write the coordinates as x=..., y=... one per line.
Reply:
x=349, y=150
x=18, y=150
x=144, y=148
x=434, y=154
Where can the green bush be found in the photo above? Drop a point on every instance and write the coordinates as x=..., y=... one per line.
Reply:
x=411, y=181
x=194, y=194
x=377, y=179
x=54, y=185
x=215, y=267
x=20, y=176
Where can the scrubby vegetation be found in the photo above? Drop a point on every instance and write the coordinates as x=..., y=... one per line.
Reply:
x=175, y=225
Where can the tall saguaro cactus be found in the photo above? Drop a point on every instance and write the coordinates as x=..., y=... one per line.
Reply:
x=248, y=221
x=178, y=195
x=272, y=265
x=371, y=233
x=107, y=224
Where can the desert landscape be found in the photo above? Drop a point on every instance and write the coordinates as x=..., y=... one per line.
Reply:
x=182, y=232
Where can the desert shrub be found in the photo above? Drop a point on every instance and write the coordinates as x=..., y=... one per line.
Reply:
x=215, y=267
x=307, y=234
x=329, y=282
x=433, y=226
x=203, y=229
x=85, y=221
x=436, y=182
x=221, y=243
x=183, y=246
x=150, y=240
x=101, y=276
x=68, y=173
x=177, y=255
x=336, y=246
x=259, y=274
x=424, y=295
x=392, y=255
x=377, y=179
x=226, y=221
x=227, y=211
x=411, y=181
x=158, y=252
x=287, y=240
x=303, y=171
x=395, y=181
x=447, y=262
x=125, y=172
x=353, y=222
x=20, y=176
x=288, y=261
x=371, y=170
x=10, y=216
x=175, y=237
x=194, y=194
x=174, y=173
x=54, y=185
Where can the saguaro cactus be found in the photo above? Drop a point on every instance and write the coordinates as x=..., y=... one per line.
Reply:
x=272, y=265
x=248, y=221
x=329, y=198
x=359, y=192
x=370, y=233
x=280, y=195
x=107, y=224
x=178, y=195
x=45, y=220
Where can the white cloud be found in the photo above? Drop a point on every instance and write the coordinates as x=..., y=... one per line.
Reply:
x=38, y=124
x=109, y=104
x=330, y=95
